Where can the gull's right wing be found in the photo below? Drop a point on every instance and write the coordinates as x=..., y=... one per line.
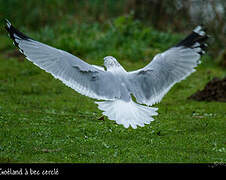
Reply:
x=152, y=82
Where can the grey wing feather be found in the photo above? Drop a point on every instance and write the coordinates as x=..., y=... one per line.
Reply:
x=72, y=71
x=152, y=82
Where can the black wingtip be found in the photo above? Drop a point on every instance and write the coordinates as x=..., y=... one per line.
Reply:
x=196, y=39
x=8, y=24
x=14, y=33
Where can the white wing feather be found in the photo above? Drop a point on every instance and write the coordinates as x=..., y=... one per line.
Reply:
x=72, y=71
x=152, y=82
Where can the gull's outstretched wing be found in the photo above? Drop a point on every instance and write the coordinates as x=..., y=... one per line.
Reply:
x=152, y=82
x=72, y=71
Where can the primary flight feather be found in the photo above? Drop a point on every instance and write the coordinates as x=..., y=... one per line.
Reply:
x=114, y=86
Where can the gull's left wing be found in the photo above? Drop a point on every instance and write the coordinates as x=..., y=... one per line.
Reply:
x=89, y=80
x=152, y=82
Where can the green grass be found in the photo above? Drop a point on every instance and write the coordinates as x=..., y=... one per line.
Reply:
x=42, y=120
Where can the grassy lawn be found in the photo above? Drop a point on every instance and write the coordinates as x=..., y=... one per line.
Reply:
x=42, y=120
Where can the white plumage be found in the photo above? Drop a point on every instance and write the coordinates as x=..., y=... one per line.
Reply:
x=114, y=86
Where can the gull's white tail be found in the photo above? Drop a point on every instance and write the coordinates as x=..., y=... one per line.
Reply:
x=127, y=113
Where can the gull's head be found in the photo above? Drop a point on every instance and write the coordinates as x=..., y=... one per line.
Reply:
x=110, y=62
x=113, y=65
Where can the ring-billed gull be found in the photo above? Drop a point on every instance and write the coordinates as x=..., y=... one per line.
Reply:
x=114, y=87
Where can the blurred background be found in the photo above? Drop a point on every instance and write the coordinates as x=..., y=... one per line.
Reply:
x=126, y=15
x=42, y=120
